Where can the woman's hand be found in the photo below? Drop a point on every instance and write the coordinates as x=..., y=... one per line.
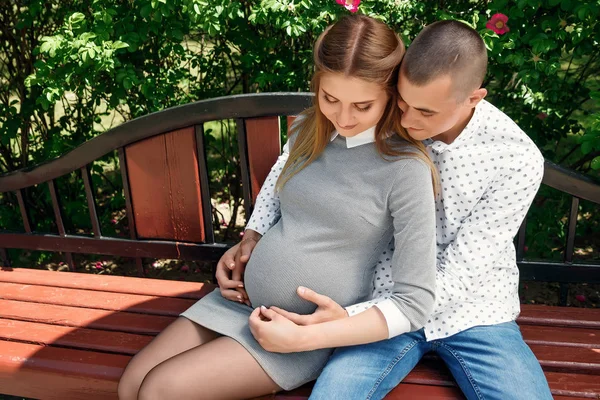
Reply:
x=274, y=332
x=327, y=309
x=231, y=266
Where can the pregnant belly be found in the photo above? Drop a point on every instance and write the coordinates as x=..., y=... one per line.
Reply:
x=274, y=273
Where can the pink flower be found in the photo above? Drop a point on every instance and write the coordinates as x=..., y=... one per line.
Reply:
x=498, y=24
x=580, y=298
x=197, y=271
x=542, y=116
x=242, y=234
x=113, y=221
x=525, y=249
x=185, y=269
x=350, y=5
x=99, y=265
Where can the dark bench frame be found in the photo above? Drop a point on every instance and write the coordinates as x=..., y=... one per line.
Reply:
x=259, y=144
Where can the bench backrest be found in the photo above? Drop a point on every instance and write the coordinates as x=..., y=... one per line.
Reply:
x=166, y=185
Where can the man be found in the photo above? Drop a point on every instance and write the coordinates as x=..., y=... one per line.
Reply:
x=489, y=173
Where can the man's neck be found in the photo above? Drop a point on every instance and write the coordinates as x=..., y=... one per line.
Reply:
x=450, y=135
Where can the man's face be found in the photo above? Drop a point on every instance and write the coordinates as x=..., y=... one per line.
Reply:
x=431, y=111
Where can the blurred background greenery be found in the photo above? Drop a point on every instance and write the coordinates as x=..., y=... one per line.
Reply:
x=72, y=69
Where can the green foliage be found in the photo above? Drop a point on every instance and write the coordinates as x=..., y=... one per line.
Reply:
x=72, y=69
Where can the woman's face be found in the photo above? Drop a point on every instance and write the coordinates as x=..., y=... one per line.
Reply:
x=351, y=104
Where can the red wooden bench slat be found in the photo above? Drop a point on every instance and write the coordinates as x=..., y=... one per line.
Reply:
x=52, y=373
x=561, y=336
x=264, y=146
x=93, y=299
x=84, y=317
x=165, y=186
x=78, y=338
x=567, y=384
x=426, y=373
x=107, y=283
x=575, y=359
x=560, y=316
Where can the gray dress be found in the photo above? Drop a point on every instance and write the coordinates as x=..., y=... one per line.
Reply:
x=337, y=216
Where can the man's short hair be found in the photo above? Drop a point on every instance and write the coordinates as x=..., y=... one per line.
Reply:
x=447, y=48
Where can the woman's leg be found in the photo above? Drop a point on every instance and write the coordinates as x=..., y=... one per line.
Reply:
x=221, y=369
x=178, y=337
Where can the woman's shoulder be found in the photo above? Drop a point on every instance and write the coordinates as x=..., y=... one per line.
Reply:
x=403, y=150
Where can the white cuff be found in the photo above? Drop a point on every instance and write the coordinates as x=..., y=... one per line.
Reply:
x=396, y=320
x=253, y=225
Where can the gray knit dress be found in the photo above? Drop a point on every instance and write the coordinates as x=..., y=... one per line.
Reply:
x=337, y=216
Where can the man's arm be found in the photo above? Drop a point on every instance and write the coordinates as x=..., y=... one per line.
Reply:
x=382, y=282
x=493, y=223
x=266, y=210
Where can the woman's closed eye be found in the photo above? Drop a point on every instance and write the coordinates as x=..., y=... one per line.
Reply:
x=362, y=108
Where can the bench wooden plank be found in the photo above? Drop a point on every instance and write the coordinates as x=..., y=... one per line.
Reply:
x=560, y=316
x=53, y=373
x=555, y=336
x=575, y=359
x=568, y=384
x=72, y=337
x=84, y=317
x=428, y=372
x=93, y=299
x=107, y=283
x=157, y=168
x=264, y=146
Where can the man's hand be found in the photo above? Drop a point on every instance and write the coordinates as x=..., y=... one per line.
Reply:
x=231, y=266
x=274, y=332
x=327, y=309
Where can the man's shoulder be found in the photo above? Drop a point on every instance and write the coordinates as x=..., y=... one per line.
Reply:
x=501, y=130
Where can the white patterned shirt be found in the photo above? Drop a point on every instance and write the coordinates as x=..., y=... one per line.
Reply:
x=489, y=176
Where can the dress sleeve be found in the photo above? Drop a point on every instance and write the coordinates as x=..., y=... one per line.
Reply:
x=412, y=206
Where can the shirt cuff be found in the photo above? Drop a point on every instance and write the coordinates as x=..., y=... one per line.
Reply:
x=254, y=225
x=397, y=322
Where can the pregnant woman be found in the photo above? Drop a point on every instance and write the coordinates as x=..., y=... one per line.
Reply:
x=353, y=180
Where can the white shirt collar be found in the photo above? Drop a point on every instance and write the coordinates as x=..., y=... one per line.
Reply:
x=364, y=137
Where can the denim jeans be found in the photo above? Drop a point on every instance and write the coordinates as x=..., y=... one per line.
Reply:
x=488, y=362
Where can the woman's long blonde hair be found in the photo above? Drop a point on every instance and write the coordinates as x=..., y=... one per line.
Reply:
x=361, y=47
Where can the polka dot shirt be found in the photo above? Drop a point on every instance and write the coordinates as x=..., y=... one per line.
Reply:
x=489, y=176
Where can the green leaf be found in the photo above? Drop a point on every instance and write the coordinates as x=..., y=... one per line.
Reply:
x=566, y=5
x=145, y=11
x=119, y=45
x=587, y=147
x=595, y=164
x=76, y=18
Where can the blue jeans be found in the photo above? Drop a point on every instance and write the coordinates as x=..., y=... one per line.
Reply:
x=488, y=362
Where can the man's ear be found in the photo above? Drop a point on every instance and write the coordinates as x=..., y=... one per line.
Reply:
x=476, y=96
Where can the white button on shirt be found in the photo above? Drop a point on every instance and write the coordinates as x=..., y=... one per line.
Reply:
x=489, y=176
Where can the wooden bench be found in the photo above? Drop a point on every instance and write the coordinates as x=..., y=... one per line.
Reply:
x=67, y=335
